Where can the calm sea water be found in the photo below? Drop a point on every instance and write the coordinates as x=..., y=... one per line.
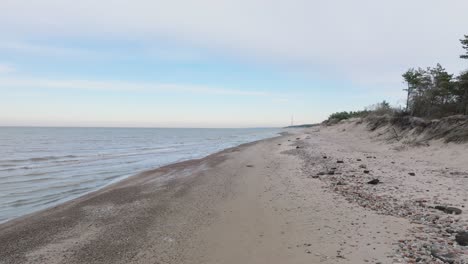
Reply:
x=41, y=167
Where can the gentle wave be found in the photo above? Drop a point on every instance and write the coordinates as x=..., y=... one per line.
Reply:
x=42, y=167
x=38, y=159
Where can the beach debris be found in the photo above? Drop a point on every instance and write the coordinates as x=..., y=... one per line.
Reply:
x=446, y=257
x=279, y=144
x=445, y=233
x=298, y=138
x=450, y=231
x=462, y=238
x=297, y=147
x=339, y=161
x=448, y=210
x=457, y=173
x=321, y=173
x=373, y=181
x=249, y=166
x=359, y=159
x=340, y=183
x=411, y=174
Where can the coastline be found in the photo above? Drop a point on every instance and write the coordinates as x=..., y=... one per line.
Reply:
x=44, y=168
x=167, y=178
x=260, y=202
x=118, y=182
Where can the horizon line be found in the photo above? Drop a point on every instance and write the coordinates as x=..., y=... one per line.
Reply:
x=148, y=127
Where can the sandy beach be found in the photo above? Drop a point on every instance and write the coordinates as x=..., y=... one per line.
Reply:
x=299, y=198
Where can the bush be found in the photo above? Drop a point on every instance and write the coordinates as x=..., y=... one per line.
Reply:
x=347, y=115
x=376, y=110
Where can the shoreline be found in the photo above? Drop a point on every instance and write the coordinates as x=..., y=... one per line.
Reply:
x=118, y=180
x=260, y=202
x=130, y=177
x=41, y=229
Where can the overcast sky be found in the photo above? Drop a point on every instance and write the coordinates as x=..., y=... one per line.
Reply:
x=214, y=63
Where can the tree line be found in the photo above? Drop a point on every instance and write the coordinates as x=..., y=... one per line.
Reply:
x=433, y=92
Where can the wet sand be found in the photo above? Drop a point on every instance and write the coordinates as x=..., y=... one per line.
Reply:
x=256, y=203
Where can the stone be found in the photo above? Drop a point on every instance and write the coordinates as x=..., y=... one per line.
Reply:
x=339, y=161
x=324, y=157
x=331, y=172
x=359, y=159
x=374, y=181
x=450, y=231
x=448, y=210
x=297, y=147
x=412, y=174
x=462, y=238
x=445, y=257
x=362, y=166
x=366, y=171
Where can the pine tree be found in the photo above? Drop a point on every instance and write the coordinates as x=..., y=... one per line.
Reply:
x=464, y=43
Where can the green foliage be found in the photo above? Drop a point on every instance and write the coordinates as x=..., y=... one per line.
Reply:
x=461, y=92
x=347, y=115
x=433, y=92
x=464, y=43
x=382, y=108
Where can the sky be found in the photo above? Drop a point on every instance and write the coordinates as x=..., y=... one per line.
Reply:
x=215, y=63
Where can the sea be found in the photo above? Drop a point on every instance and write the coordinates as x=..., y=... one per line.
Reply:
x=41, y=167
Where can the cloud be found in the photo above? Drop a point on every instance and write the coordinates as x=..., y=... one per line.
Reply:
x=355, y=40
x=4, y=68
x=121, y=86
x=27, y=48
x=49, y=50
